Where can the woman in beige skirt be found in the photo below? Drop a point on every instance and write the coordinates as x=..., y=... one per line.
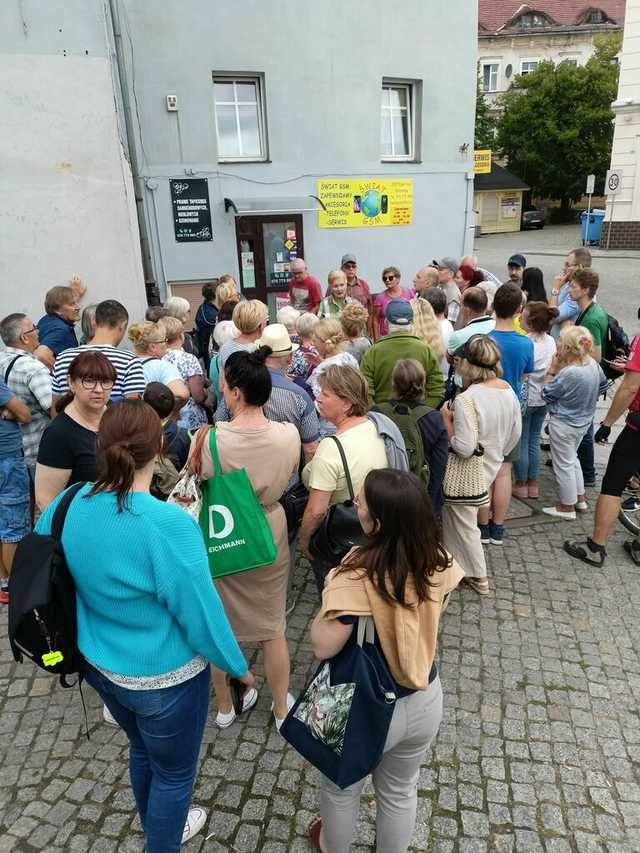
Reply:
x=255, y=601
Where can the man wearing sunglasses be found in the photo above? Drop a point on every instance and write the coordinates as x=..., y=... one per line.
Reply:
x=28, y=378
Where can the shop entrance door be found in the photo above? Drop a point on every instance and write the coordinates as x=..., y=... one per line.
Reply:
x=266, y=247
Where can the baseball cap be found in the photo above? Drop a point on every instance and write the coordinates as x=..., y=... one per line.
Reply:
x=399, y=312
x=517, y=261
x=448, y=264
x=348, y=259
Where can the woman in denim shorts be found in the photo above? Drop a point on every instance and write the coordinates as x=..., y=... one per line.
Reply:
x=14, y=483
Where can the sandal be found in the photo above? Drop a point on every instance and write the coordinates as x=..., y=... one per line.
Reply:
x=632, y=547
x=588, y=551
x=479, y=585
x=315, y=828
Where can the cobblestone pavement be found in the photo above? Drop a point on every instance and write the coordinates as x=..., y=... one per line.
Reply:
x=539, y=749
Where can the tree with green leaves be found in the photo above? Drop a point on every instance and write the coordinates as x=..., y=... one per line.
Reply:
x=557, y=125
x=485, y=122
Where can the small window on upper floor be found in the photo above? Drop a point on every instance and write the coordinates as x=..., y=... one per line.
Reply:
x=400, y=120
x=595, y=16
x=532, y=19
x=490, y=76
x=569, y=62
x=240, y=117
x=528, y=66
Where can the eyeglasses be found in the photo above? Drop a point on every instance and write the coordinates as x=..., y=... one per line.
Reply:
x=89, y=384
x=350, y=265
x=388, y=277
x=29, y=331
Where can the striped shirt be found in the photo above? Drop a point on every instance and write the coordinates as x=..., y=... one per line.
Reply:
x=128, y=367
x=30, y=381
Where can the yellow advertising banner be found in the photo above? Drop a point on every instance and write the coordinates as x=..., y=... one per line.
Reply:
x=482, y=161
x=365, y=202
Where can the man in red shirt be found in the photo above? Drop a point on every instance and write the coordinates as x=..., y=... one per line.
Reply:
x=305, y=293
x=357, y=288
x=624, y=462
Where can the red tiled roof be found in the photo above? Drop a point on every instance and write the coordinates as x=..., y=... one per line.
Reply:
x=494, y=14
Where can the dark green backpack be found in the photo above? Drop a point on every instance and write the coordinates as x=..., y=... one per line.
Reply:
x=406, y=418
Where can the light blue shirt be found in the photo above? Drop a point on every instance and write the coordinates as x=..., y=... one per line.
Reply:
x=573, y=393
x=146, y=603
x=159, y=370
x=479, y=326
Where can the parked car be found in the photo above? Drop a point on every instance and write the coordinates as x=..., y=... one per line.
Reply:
x=533, y=217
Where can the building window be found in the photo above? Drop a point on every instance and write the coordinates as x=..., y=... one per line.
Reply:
x=240, y=117
x=528, y=66
x=532, y=19
x=399, y=120
x=596, y=16
x=490, y=77
x=573, y=62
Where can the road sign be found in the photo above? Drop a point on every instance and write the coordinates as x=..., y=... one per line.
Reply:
x=482, y=161
x=591, y=184
x=613, y=182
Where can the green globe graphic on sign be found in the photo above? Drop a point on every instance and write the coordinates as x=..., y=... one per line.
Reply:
x=371, y=203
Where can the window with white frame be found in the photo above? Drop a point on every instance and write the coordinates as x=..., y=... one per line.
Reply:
x=490, y=76
x=532, y=19
x=527, y=66
x=569, y=61
x=240, y=117
x=399, y=120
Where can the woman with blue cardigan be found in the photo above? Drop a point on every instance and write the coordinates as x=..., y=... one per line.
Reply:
x=149, y=620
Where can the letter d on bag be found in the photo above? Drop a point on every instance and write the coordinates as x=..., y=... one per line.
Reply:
x=228, y=526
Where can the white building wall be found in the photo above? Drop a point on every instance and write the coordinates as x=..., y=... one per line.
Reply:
x=626, y=141
x=67, y=193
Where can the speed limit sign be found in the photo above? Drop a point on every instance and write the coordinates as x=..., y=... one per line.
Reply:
x=613, y=182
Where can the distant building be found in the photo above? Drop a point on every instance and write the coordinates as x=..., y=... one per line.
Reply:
x=498, y=200
x=623, y=213
x=515, y=37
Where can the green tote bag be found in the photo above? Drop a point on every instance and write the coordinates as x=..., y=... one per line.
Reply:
x=236, y=533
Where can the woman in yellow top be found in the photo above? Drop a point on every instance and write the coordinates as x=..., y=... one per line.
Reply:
x=401, y=577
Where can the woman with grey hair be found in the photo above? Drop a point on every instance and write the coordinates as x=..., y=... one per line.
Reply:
x=180, y=308
x=88, y=323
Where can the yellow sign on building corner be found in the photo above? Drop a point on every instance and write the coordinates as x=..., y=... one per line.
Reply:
x=482, y=161
x=365, y=202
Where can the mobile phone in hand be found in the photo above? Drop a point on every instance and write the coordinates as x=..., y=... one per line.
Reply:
x=237, y=694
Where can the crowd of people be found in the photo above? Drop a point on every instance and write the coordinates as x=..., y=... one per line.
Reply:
x=398, y=414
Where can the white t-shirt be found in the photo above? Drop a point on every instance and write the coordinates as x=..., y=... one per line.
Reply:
x=544, y=349
x=159, y=370
x=446, y=330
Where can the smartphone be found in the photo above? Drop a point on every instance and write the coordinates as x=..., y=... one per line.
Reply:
x=384, y=204
x=357, y=199
x=237, y=694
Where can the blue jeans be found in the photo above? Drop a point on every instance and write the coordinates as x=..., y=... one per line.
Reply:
x=586, y=453
x=164, y=728
x=528, y=465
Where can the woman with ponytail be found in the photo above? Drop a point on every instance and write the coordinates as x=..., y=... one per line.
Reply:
x=255, y=601
x=149, y=620
x=67, y=452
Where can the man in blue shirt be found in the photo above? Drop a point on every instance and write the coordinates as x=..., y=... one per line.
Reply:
x=14, y=483
x=516, y=356
x=57, y=328
x=579, y=258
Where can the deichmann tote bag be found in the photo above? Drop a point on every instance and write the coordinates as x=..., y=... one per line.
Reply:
x=341, y=721
x=464, y=482
x=236, y=533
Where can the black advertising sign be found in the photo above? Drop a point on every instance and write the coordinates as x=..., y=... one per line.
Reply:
x=191, y=210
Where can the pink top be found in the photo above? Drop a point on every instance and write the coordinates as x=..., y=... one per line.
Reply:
x=380, y=302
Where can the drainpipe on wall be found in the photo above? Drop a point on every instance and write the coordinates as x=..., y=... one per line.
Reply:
x=467, y=237
x=122, y=96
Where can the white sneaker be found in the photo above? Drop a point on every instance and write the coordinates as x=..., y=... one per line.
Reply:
x=290, y=703
x=223, y=721
x=195, y=821
x=556, y=513
x=108, y=717
x=582, y=506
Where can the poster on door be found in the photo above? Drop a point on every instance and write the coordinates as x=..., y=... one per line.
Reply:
x=509, y=206
x=365, y=202
x=248, y=270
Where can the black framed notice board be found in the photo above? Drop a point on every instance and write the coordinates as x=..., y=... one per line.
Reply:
x=191, y=210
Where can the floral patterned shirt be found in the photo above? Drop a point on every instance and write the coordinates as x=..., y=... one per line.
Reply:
x=192, y=414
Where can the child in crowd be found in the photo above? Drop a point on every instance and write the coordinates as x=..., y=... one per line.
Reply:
x=571, y=388
x=536, y=321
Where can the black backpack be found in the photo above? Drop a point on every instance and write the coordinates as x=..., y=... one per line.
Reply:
x=616, y=343
x=42, y=601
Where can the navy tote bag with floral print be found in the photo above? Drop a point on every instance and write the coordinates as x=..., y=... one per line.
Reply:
x=341, y=721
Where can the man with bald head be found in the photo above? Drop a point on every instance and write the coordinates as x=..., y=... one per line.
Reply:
x=425, y=277
x=305, y=293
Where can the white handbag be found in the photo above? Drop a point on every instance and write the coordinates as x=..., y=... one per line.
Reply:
x=187, y=493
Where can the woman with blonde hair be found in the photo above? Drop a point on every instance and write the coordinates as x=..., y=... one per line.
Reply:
x=354, y=319
x=327, y=338
x=249, y=318
x=486, y=413
x=226, y=291
x=426, y=326
x=336, y=299
x=571, y=389
x=150, y=345
x=192, y=414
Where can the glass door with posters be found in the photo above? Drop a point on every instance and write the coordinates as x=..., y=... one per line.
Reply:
x=266, y=247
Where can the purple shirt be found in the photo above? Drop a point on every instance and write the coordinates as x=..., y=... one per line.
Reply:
x=380, y=302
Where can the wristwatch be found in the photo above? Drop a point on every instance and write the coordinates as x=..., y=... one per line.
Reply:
x=554, y=292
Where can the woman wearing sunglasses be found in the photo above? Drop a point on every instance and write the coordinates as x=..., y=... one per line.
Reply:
x=391, y=281
x=67, y=452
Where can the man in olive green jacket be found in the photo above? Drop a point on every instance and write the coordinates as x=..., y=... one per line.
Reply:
x=378, y=362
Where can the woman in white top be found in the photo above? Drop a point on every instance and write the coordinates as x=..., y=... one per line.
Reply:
x=150, y=345
x=536, y=320
x=487, y=412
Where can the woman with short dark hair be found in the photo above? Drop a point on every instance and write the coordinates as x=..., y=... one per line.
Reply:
x=400, y=577
x=149, y=620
